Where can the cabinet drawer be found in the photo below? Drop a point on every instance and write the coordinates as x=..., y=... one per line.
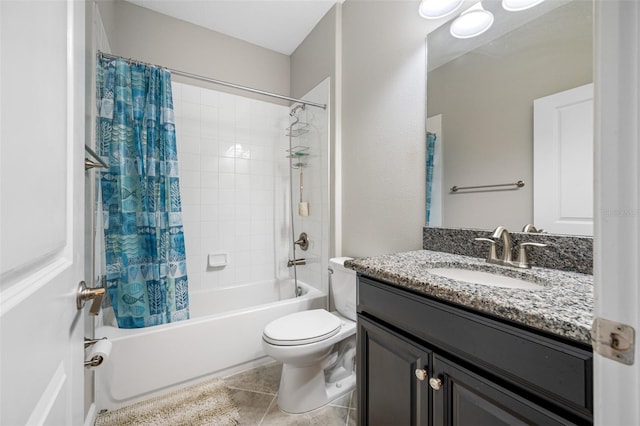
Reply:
x=555, y=371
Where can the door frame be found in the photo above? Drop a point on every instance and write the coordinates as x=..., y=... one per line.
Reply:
x=617, y=200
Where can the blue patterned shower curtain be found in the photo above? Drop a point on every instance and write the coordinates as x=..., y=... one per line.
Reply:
x=144, y=240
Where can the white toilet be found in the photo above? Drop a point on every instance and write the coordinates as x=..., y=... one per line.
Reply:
x=317, y=348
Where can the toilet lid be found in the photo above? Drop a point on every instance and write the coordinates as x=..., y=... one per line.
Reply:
x=302, y=328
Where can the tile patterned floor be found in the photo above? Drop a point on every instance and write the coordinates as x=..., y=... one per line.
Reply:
x=255, y=392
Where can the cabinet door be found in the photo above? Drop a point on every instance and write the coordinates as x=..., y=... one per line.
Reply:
x=390, y=391
x=464, y=398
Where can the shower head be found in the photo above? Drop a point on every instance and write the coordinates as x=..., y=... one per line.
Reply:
x=295, y=110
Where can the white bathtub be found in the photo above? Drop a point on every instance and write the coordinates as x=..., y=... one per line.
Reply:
x=223, y=336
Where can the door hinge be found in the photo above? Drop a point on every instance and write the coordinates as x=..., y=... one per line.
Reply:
x=613, y=340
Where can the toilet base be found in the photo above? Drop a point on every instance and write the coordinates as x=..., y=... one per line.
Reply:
x=304, y=389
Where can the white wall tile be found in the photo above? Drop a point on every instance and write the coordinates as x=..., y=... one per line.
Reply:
x=243, y=199
x=209, y=180
x=209, y=230
x=242, y=166
x=209, y=147
x=210, y=280
x=190, y=179
x=190, y=196
x=176, y=90
x=227, y=147
x=209, y=196
x=209, y=163
x=209, y=212
x=243, y=275
x=191, y=93
x=227, y=197
x=188, y=161
x=189, y=143
x=227, y=213
x=209, y=97
x=227, y=181
x=243, y=182
x=190, y=213
x=226, y=276
x=227, y=165
x=227, y=235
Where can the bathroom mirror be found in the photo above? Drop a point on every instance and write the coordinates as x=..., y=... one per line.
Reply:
x=480, y=95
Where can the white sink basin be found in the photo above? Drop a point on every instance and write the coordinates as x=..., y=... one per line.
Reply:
x=483, y=278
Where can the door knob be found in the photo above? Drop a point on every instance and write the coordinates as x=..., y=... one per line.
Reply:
x=84, y=294
x=435, y=383
x=421, y=374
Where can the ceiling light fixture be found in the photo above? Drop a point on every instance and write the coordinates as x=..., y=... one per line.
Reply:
x=434, y=9
x=518, y=5
x=472, y=22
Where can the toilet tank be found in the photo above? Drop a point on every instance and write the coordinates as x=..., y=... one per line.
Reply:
x=343, y=287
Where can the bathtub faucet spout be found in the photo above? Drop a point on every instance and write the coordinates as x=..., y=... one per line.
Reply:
x=295, y=262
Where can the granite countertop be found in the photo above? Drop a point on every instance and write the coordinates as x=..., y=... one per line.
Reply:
x=562, y=306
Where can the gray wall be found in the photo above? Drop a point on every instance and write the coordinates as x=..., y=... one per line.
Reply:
x=383, y=122
x=486, y=101
x=315, y=58
x=149, y=36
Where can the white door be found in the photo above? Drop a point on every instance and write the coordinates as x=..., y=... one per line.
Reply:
x=563, y=162
x=41, y=212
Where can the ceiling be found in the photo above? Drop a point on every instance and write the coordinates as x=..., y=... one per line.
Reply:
x=279, y=25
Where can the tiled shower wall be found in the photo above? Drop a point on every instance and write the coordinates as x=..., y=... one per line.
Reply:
x=231, y=151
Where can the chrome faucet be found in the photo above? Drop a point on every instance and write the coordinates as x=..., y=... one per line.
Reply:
x=501, y=232
x=296, y=262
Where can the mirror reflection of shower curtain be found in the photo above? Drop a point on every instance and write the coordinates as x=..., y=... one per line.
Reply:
x=434, y=171
x=144, y=242
x=431, y=147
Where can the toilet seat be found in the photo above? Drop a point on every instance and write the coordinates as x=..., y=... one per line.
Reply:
x=302, y=328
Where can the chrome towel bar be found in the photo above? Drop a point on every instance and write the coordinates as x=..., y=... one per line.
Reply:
x=518, y=184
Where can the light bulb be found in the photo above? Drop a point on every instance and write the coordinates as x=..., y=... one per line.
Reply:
x=518, y=5
x=434, y=9
x=472, y=22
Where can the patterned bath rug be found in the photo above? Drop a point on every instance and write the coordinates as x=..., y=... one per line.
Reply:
x=204, y=404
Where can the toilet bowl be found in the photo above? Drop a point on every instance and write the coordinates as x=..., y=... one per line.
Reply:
x=316, y=347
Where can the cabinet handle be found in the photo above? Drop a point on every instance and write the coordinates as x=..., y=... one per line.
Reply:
x=421, y=374
x=435, y=383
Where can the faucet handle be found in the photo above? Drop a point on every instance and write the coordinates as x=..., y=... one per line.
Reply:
x=530, y=228
x=493, y=256
x=523, y=261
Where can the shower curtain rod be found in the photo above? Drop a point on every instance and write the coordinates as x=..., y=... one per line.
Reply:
x=219, y=82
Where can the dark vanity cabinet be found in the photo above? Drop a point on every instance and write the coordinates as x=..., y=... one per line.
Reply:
x=393, y=393
x=425, y=362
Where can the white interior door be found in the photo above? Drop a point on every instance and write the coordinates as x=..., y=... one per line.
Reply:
x=41, y=212
x=563, y=162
